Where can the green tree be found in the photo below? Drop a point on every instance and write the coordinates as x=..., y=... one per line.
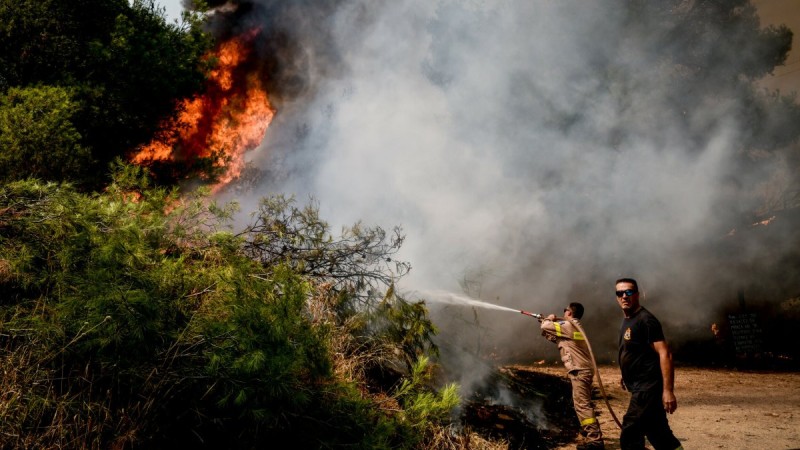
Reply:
x=136, y=74
x=38, y=137
x=124, y=64
x=703, y=53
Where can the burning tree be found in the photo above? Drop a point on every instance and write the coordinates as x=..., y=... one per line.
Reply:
x=122, y=64
x=212, y=130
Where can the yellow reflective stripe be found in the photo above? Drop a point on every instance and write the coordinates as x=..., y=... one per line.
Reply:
x=558, y=329
x=588, y=421
x=578, y=336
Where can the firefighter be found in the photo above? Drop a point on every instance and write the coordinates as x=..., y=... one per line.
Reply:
x=578, y=361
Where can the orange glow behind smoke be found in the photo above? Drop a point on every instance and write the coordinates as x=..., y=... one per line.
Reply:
x=229, y=118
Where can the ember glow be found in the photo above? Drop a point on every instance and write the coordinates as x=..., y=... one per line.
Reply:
x=224, y=122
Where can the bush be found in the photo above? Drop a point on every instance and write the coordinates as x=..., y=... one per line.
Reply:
x=38, y=137
x=136, y=317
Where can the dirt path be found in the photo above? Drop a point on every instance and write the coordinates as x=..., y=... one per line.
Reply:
x=717, y=408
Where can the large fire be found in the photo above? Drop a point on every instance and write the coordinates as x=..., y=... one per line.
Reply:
x=224, y=122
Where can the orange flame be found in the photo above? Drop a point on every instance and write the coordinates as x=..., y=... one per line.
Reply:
x=227, y=120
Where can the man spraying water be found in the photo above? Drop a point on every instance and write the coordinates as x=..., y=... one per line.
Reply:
x=577, y=359
x=576, y=352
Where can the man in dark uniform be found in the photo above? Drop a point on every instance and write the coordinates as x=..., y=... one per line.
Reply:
x=647, y=373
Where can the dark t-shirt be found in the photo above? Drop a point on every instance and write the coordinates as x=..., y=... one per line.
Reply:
x=641, y=369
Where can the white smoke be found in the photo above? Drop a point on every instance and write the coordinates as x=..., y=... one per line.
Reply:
x=524, y=147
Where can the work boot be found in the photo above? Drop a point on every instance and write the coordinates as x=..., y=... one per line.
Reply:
x=592, y=445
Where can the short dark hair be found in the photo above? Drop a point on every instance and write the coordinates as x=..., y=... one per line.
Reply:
x=577, y=310
x=628, y=280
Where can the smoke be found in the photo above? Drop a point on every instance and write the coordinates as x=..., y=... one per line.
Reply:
x=532, y=151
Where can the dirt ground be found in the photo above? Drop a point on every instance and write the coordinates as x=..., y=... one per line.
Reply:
x=717, y=408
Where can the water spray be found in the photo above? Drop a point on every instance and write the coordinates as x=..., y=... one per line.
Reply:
x=456, y=299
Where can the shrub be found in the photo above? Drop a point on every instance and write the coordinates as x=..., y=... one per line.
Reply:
x=136, y=317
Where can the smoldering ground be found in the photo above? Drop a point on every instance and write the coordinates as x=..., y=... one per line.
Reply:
x=532, y=151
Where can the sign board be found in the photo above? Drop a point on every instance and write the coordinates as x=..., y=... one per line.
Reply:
x=746, y=333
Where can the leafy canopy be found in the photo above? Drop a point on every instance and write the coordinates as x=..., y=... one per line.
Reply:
x=122, y=63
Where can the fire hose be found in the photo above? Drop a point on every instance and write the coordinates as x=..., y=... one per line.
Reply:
x=591, y=355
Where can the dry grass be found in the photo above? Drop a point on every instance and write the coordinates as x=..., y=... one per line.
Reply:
x=447, y=438
x=45, y=408
x=37, y=411
x=5, y=271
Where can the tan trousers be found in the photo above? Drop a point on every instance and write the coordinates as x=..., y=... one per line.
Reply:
x=582, y=399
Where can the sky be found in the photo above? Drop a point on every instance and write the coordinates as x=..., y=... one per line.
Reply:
x=173, y=8
x=521, y=171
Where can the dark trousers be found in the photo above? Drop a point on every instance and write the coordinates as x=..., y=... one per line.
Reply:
x=646, y=417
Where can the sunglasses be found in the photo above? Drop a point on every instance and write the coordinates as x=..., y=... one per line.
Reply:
x=628, y=292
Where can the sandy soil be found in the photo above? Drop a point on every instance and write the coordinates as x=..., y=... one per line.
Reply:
x=717, y=408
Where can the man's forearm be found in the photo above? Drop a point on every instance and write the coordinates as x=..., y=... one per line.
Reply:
x=668, y=376
x=667, y=370
x=665, y=361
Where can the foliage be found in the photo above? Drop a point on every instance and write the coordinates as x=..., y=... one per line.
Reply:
x=407, y=325
x=135, y=317
x=356, y=267
x=704, y=59
x=360, y=262
x=705, y=53
x=38, y=137
x=123, y=64
x=421, y=406
x=724, y=38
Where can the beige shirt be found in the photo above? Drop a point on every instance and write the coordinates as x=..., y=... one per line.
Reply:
x=571, y=343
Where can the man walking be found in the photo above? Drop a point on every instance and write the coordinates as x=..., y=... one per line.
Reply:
x=578, y=362
x=647, y=373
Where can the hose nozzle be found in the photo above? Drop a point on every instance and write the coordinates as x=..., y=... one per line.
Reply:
x=534, y=315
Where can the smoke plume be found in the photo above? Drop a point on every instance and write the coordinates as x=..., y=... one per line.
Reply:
x=532, y=151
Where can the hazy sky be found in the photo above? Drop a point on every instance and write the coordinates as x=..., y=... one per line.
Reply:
x=173, y=8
